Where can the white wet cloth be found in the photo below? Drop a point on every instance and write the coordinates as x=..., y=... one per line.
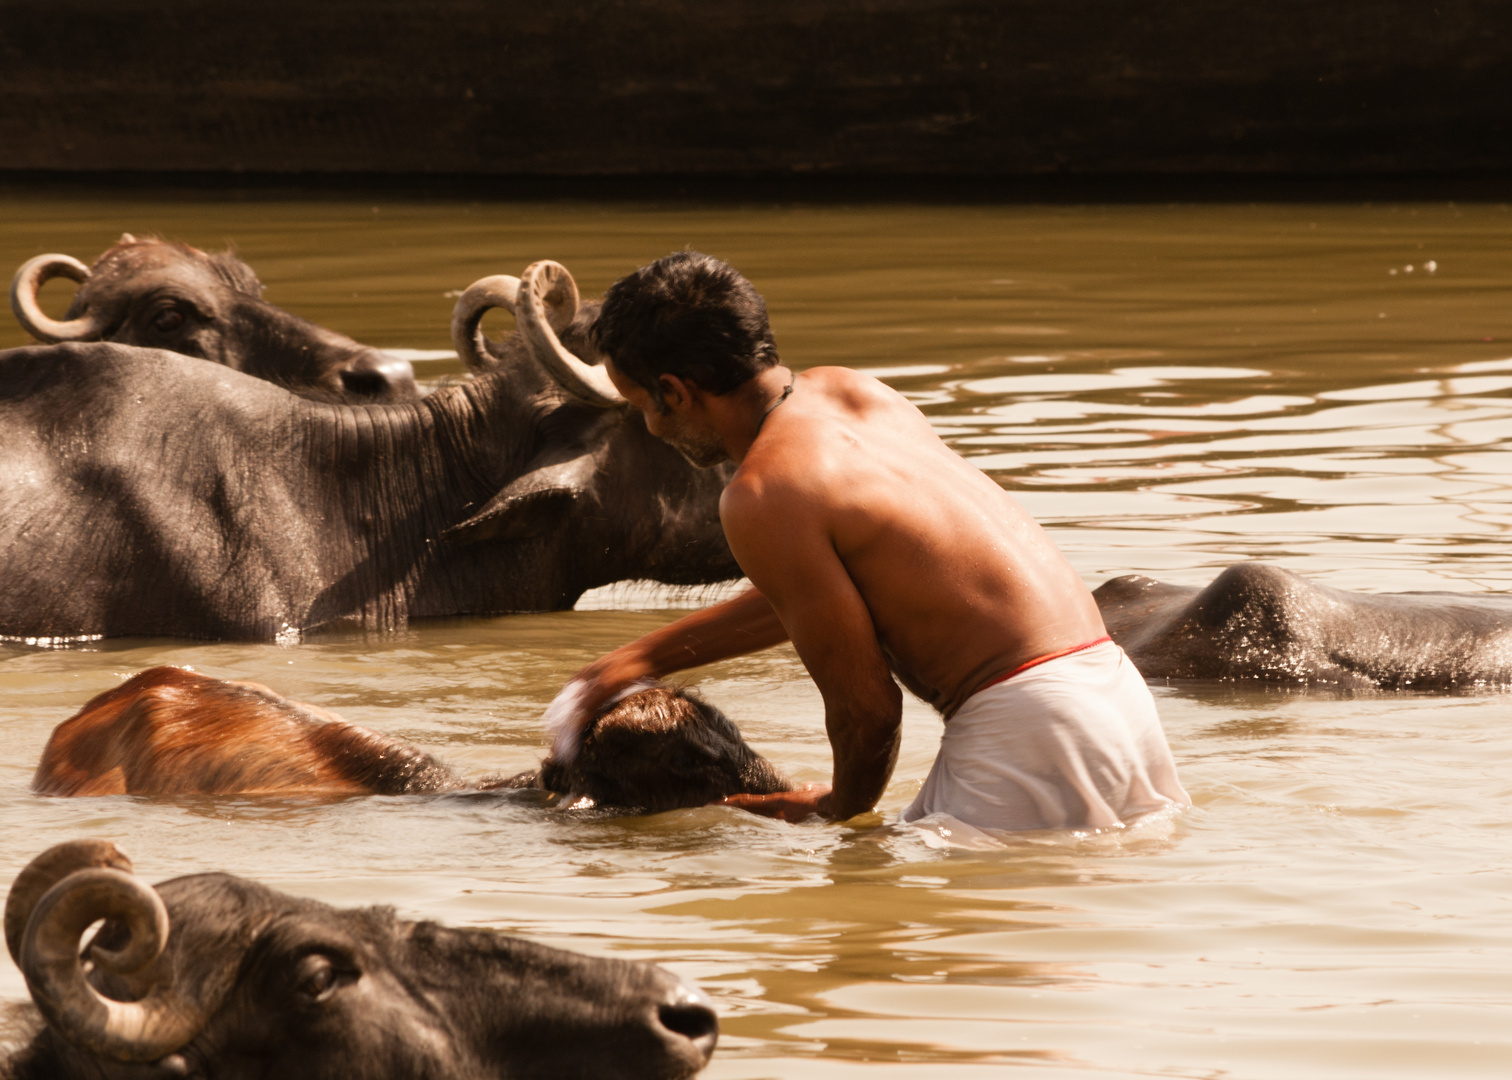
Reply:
x=1073, y=743
x=566, y=717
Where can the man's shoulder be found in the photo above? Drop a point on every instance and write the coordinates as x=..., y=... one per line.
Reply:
x=783, y=477
x=777, y=502
x=775, y=476
x=854, y=395
x=835, y=379
x=809, y=441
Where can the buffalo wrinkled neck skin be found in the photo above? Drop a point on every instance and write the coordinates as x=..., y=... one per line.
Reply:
x=149, y=494
x=294, y=988
x=1261, y=623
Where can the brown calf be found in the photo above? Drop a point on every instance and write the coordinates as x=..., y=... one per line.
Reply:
x=169, y=731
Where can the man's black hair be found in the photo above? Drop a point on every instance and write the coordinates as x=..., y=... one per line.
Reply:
x=688, y=315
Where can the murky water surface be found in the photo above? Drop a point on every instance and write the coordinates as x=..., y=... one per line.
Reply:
x=1171, y=389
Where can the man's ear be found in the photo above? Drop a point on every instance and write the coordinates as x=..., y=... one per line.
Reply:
x=676, y=391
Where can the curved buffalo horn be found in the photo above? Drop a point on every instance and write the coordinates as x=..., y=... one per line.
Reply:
x=481, y=296
x=45, y=871
x=548, y=282
x=143, y=1030
x=35, y=273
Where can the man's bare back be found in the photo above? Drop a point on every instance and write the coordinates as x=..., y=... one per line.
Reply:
x=962, y=585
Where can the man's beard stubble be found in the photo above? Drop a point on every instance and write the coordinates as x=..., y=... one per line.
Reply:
x=702, y=450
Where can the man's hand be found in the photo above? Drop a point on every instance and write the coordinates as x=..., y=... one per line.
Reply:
x=807, y=801
x=605, y=680
x=743, y=624
x=612, y=674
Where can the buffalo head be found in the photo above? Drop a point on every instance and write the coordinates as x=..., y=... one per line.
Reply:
x=172, y=296
x=216, y=976
x=594, y=464
x=655, y=750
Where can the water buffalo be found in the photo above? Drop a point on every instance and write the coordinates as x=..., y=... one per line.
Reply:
x=1257, y=622
x=172, y=296
x=143, y=493
x=168, y=731
x=215, y=976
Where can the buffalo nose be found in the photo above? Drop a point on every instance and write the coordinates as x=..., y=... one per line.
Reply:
x=689, y=1012
x=379, y=376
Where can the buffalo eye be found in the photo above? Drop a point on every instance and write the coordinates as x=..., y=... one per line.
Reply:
x=168, y=320
x=317, y=975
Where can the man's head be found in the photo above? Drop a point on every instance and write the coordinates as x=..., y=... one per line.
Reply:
x=684, y=328
x=690, y=316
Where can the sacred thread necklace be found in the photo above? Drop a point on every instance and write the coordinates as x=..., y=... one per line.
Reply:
x=786, y=390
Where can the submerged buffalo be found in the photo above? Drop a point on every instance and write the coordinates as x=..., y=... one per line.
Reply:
x=172, y=296
x=1257, y=622
x=216, y=976
x=168, y=731
x=143, y=493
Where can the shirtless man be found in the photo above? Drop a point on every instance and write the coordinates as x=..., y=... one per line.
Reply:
x=878, y=552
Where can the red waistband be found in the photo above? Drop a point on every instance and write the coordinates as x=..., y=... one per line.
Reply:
x=1038, y=660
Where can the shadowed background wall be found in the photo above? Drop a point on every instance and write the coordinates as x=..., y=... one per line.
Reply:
x=863, y=87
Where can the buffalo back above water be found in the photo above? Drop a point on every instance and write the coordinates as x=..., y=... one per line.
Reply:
x=169, y=731
x=1262, y=623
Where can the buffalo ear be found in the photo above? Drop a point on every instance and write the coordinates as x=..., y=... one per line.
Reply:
x=532, y=503
x=511, y=516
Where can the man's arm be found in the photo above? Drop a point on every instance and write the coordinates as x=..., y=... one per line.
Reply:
x=743, y=624
x=799, y=571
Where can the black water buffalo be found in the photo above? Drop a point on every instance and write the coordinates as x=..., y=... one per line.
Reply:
x=214, y=976
x=168, y=731
x=1261, y=623
x=172, y=296
x=143, y=493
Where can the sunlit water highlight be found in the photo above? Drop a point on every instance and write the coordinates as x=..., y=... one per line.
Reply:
x=1170, y=389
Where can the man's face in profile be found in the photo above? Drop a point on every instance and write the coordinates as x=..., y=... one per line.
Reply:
x=702, y=447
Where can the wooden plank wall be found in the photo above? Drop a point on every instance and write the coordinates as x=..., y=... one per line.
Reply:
x=976, y=88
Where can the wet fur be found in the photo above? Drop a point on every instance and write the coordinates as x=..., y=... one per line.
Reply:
x=172, y=732
x=128, y=256
x=654, y=753
x=168, y=731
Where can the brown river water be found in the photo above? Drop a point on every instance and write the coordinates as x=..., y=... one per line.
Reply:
x=1170, y=389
